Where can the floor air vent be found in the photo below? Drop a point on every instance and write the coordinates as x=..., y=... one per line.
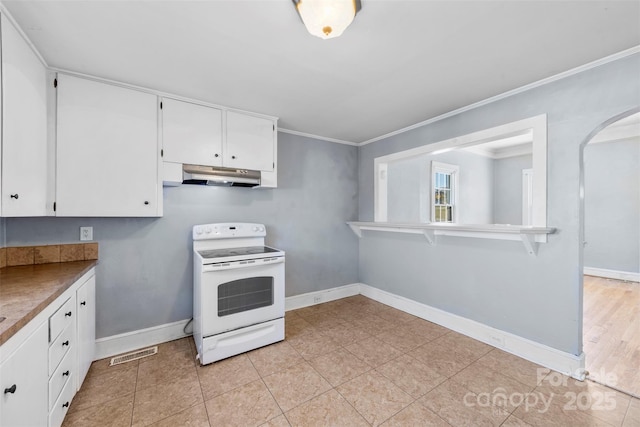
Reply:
x=134, y=356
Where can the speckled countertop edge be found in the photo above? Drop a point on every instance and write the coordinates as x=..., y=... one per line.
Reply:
x=27, y=290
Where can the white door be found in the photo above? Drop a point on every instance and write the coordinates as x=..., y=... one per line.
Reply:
x=24, y=127
x=107, y=150
x=250, y=142
x=191, y=133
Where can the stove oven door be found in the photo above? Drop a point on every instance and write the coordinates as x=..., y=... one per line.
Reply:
x=235, y=295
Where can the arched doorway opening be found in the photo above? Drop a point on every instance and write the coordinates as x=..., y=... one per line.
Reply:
x=610, y=251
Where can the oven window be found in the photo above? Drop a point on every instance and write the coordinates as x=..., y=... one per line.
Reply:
x=244, y=295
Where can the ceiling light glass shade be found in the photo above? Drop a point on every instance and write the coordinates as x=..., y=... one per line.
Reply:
x=327, y=18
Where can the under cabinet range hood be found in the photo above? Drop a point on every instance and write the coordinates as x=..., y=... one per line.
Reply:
x=225, y=177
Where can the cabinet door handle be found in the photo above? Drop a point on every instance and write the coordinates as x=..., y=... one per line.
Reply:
x=65, y=343
x=65, y=405
x=11, y=389
x=83, y=303
x=216, y=155
x=14, y=196
x=233, y=157
x=68, y=314
x=65, y=374
x=146, y=202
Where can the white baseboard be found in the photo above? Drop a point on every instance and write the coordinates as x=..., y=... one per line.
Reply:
x=541, y=354
x=566, y=363
x=612, y=274
x=312, y=298
x=122, y=343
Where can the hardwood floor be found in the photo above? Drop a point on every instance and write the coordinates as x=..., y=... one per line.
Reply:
x=612, y=332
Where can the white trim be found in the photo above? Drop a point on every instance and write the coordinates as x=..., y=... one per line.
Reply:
x=617, y=133
x=322, y=138
x=566, y=363
x=453, y=171
x=5, y=11
x=319, y=297
x=551, y=79
x=628, y=276
x=527, y=196
x=536, y=125
x=129, y=341
x=541, y=354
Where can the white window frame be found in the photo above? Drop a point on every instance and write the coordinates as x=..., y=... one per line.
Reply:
x=453, y=171
x=536, y=125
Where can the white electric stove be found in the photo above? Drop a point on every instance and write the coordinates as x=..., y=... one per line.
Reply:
x=238, y=298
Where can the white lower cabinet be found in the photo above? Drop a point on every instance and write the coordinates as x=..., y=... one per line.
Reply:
x=86, y=338
x=42, y=373
x=23, y=382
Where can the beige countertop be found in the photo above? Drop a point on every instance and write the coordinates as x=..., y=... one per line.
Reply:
x=26, y=290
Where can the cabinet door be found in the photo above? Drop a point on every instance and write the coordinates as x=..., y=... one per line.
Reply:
x=191, y=133
x=250, y=142
x=24, y=127
x=24, y=383
x=86, y=300
x=107, y=150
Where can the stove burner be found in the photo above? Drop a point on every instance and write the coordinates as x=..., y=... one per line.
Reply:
x=229, y=252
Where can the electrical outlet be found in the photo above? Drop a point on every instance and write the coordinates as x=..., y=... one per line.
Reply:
x=317, y=300
x=86, y=233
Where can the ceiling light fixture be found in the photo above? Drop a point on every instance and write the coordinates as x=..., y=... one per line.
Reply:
x=327, y=18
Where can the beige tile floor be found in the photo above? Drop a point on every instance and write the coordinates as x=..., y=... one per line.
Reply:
x=349, y=362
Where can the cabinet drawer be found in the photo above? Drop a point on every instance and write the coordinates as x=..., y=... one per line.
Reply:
x=61, y=318
x=61, y=407
x=60, y=347
x=60, y=378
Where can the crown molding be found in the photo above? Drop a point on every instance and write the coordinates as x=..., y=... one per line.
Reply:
x=602, y=61
x=322, y=138
x=4, y=11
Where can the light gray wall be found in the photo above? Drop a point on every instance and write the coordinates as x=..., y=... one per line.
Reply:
x=144, y=277
x=612, y=205
x=409, y=188
x=2, y=232
x=495, y=282
x=507, y=188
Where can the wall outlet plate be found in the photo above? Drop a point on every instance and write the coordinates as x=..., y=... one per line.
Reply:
x=86, y=233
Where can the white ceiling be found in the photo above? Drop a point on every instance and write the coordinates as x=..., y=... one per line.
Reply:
x=399, y=63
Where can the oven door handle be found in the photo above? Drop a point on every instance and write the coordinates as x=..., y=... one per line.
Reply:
x=212, y=268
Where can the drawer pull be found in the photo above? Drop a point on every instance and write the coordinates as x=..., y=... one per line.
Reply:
x=68, y=314
x=83, y=303
x=14, y=196
x=11, y=389
x=65, y=343
x=65, y=405
x=65, y=374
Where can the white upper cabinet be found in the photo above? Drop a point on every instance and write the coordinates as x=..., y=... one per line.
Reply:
x=107, y=150
x=250, y=142
x=191, y=133
x=24, y=127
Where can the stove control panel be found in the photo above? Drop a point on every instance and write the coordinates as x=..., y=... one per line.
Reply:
x=228, y=230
